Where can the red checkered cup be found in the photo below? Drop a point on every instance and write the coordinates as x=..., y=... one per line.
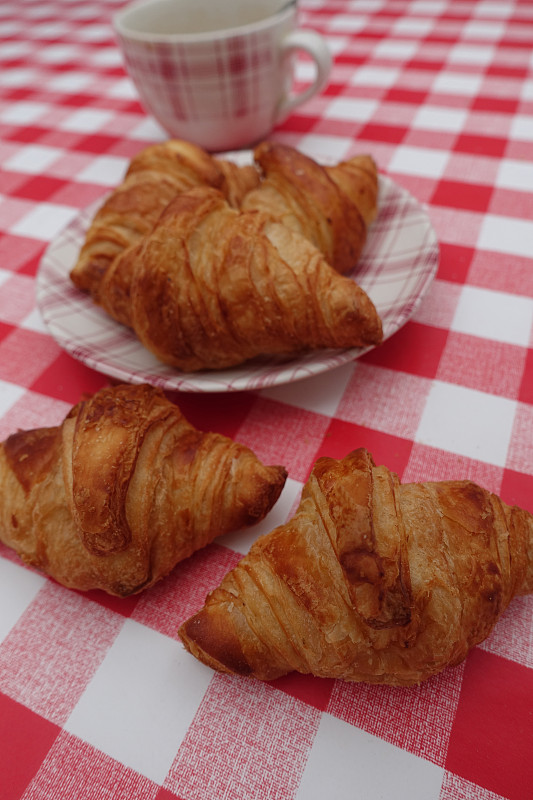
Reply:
x=218, y=72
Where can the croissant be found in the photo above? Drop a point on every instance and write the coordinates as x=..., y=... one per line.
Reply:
x=155, y=175
x=370, y=580
x=331, y=206
x=212, y=287
x=123, y=489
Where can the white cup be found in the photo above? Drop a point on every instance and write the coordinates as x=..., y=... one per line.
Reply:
x=218, y=72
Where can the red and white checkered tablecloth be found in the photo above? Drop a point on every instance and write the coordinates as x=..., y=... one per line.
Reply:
x=98, y=698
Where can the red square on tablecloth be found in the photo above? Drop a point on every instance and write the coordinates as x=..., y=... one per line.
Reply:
x=41, y=187
x=314, y=691
x=454, y=262
x=67, y=379
x=491, y=743
x=470, y=143
x=21, y=754
x=517, y=489
x=383, y=133
x=403, y=352
x=526, y=387
x=220, y=413
x=343, y=437
x=462, y=195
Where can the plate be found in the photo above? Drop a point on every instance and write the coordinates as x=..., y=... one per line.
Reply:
x=398, y=263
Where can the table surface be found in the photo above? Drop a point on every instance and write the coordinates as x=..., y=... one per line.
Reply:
x=98, y=698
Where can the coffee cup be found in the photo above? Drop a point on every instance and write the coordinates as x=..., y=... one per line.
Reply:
x=218, y=72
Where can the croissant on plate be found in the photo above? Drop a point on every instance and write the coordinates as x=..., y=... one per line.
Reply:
x=125, y=488
x=212, y=287
x=371, y=580
x=332, y=206
x=156, y=175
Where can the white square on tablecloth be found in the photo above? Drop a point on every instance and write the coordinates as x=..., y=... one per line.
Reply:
x=346, y=763
x=471, y=54
x=412, y=26
x=467, y=422
x=70, y=82
x=494, y=315
x=375, y=76
x=45, y=221
x=319, y=146
x=147, y=130
x=92, y=33
x=483, y=29
x=24, y=113
x=457, y=83
x=351, y=109
x=419, y=161
x=57, y=53
x=348, y=24
x=86, y=120
x=141, y=701
x=9, y=395
x=515, y=174
x=522, y=126
x=489, y=8
x=104, y=170
x=438, y=118
x=506, y=235
x=33, y=159
x=122, y=89
x=397, y=51
x=18, y=587
x=433, y=7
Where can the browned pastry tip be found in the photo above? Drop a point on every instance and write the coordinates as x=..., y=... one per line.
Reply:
x=371, y=580
x=331, y=206
x=124, y=489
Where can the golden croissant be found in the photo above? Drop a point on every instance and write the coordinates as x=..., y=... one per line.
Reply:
x=155, y=175
x=371, y=580
x=212, y=287
x=123, y=489
x=333, y=206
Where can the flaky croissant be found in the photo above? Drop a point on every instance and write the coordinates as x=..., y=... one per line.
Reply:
x=333, y=206
x=155, y=176
x=370, y=581
x=125, y=488
x=212, y=287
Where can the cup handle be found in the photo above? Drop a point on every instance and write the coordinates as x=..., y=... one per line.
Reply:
x=313, y=44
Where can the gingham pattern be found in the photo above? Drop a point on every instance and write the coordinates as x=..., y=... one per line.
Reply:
x=97, y=696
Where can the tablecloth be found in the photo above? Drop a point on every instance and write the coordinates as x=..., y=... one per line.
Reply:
x=98, y=698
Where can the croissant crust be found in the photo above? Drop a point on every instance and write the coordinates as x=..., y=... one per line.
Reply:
x=371, y=580
x=124, y=489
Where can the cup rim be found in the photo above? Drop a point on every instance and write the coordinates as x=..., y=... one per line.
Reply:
x=188, y=38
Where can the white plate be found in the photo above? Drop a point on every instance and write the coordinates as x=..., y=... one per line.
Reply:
x=398, y=263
